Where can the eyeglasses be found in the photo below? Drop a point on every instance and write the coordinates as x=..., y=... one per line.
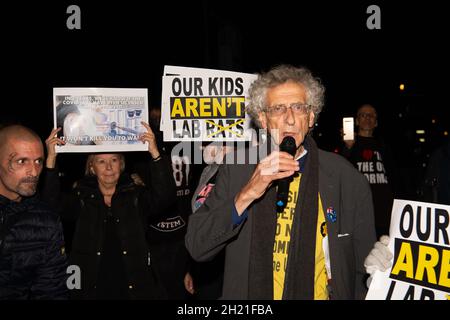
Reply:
x=278, y=110
x=367, y=115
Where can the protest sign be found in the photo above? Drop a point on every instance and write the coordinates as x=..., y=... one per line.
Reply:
x=100, y=119
x=419, y=240
x=204, y=105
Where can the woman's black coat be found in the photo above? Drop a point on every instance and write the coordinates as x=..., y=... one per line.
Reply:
x=131, y=206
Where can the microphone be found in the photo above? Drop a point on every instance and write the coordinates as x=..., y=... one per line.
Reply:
x=287, y=145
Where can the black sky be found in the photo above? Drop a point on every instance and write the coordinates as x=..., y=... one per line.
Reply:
x=127, y=43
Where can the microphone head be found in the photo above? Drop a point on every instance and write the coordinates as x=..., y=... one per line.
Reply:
x=288, y=145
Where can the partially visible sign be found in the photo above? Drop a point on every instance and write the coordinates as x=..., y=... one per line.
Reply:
x=419, y=239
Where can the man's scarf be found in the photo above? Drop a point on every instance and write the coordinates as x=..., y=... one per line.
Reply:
x=299, y=278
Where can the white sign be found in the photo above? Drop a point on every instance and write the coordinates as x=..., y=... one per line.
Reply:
x=419, y=239
x=100, y=119
x=204, y=105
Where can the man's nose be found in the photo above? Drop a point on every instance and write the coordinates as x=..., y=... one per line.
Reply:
x=35, y=170
x=290, y=116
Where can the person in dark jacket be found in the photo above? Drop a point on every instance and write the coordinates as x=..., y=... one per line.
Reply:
x=207, y=277
x=166, y=234
x=315, y=247
x=111, y=211
x=32, y=259
x=436, y=185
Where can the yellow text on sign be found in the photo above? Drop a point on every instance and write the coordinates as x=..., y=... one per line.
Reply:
x=207, y=107
x=428, y=260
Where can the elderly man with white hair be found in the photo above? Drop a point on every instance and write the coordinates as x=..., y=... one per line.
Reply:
x=316, y=246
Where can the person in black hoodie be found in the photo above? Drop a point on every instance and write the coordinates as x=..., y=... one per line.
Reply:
x=33, y=262
x=110, y=211
x=436, y=185
x=165, y=235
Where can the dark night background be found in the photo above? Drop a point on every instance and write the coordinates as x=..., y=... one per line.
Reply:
x=127, y=43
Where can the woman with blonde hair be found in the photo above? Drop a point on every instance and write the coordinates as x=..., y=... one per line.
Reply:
x=110, y=212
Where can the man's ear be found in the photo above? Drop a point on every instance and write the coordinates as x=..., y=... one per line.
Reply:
x=312, y=116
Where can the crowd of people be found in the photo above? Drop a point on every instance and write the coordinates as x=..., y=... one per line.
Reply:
x=160, y=229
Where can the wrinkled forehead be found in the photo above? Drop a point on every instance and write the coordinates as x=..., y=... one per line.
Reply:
x=106, y=156
x=15, y=147
x=286, y=92
x=367, y=109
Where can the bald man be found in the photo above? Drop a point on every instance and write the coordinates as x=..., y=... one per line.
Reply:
x=21, y=159
x=372, y=157
x=32, y=258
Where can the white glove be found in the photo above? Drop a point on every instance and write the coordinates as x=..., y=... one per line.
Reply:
x=379, y=258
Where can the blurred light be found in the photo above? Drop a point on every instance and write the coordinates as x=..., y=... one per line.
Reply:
x=433, y=120
x=320, y=134
x=422, y=139
x=402, y=87
x=336, y=150
x=399, y=115
x=424, y=165
x=445, y=133
x=420, y=131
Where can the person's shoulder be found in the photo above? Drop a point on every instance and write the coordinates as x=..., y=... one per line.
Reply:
x=442, y=151
x=333, y=163
x=42, y=213
x=84, y=186
x=235, y=170
x=334, y=159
